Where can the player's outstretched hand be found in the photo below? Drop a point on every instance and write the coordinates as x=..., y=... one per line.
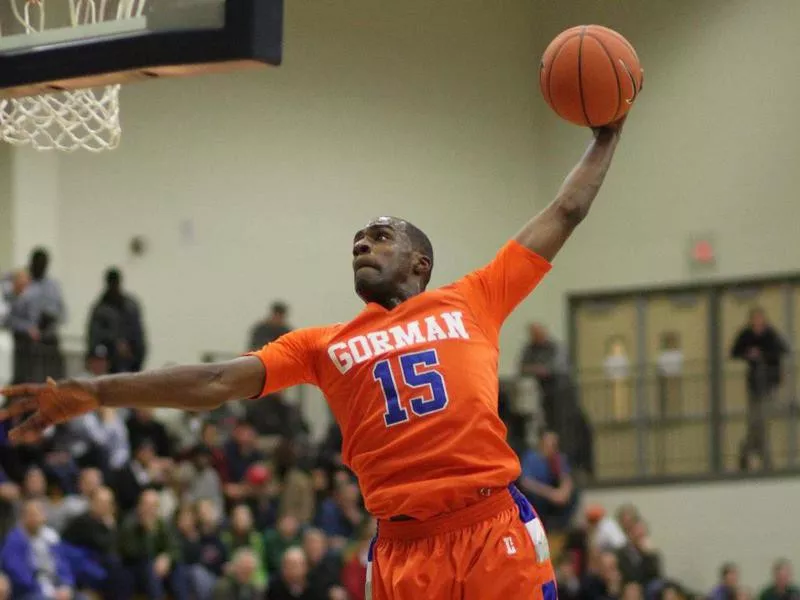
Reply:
x=51, y=403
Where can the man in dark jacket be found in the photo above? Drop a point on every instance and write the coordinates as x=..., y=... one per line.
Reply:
x=762, y=347
x=116, y=323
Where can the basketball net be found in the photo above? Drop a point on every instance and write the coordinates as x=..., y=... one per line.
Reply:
x=71, y=119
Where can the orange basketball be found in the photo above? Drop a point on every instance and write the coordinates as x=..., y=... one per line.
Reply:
x=590, y=75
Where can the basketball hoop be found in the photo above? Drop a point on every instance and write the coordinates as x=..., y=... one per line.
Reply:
x=66, y=120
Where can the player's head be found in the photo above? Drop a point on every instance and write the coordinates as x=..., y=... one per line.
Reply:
x=392, y=260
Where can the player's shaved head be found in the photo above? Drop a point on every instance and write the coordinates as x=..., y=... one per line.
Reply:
x=393, y=261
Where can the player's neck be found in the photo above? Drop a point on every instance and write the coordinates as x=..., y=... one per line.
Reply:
x=396, y=297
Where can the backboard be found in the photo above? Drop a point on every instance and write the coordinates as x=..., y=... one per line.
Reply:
x=77, y=44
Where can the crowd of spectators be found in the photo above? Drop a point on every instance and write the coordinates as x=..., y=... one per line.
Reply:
x=239, y=504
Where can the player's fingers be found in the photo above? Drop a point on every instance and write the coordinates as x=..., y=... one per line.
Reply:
x=25, y=389
x=33, y=425
x=18, y=407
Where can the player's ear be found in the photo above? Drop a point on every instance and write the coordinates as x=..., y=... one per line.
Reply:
x=422, y=266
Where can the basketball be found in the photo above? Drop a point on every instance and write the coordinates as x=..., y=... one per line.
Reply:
x=590, y=75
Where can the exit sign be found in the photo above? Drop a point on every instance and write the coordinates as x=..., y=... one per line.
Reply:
x=702, y=252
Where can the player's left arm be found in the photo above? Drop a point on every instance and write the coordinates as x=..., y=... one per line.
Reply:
x=546, y=233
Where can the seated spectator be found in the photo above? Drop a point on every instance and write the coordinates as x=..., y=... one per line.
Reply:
x=324, y=566
x=339, y=517
x=9, y=496
x=292, y=582
x=638, y=561
x=238, y=583
x=143, y=426
x=728, y=586
x=33, y=559
x=241, y=534
x=100, y=439
x=297, y=491
x=278, y=540
x=263, y=496
x=569, y=583
x=212, y=551
x=782, y=587
x=240, y=452
x=205, y=482
x=606, y=531
x=144, y=471
x=209, y=437
x=632, y=591
x=602, y=580
x=90, y=541
x=34, y=487
x=150, y=552
x=354, y=572
x=547, y=483
x=200, y=580
x=5, y=588
x=89, y=481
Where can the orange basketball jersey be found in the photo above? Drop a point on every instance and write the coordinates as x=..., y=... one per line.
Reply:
x=415, y=388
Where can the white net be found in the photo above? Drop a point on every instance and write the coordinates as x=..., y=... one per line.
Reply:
x=72, y=119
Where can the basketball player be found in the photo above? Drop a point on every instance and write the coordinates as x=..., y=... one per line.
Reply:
x=412, y=381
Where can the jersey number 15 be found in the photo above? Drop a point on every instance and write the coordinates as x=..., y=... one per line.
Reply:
x=432, y=393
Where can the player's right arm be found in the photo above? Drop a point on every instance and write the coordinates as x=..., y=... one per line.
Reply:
x=281, y=364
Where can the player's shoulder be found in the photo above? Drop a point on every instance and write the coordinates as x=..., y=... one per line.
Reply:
x=316, y=336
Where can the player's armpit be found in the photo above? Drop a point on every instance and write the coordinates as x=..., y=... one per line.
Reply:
x=547, y=232
x=289, y=361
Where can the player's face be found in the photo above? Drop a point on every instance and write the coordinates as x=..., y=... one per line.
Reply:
x=382, y=260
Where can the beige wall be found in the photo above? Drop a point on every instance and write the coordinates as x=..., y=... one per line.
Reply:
x=711, y=147
x=6, y=223
x=419, y=109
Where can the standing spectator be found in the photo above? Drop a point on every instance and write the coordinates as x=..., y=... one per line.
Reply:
x=782, y=587
x=728, y=587
x=292, y=584
x=33, y=559
x=35, y=316
x=271, y=328
x=238, y=584
x=11, y=287
x=241, y=534
x=762, y=347
x=150, y=552
x=91, y=542
x=116, y=323
x=548, y=484
x=339, y=517
x=544, y=359
x=278, y=540
x=638, y=561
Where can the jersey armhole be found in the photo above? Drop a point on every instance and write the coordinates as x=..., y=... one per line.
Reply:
x=494, y=338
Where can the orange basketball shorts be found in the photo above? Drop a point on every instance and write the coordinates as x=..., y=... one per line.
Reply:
x=495, y=549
